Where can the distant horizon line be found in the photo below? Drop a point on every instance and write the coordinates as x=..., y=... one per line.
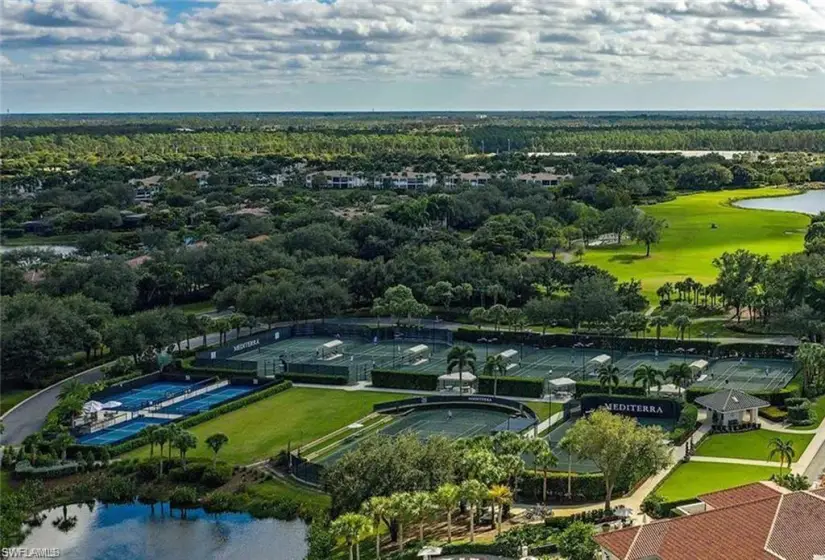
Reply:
x=416, y=111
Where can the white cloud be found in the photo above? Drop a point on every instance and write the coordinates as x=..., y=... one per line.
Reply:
x=137, y=44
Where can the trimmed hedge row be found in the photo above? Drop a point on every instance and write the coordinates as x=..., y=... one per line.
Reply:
x=316, y=379
x=594, y=387
x=511, y=386
x=389, y=379
x=586, y=487
x=685, y=425
x=24, y=470
x=773, y=413
x=208, y=415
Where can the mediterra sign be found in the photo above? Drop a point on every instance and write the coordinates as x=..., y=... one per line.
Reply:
x=632, y=406
x=246, y=345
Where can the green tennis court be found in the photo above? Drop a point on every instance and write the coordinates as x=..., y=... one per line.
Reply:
x=747, y=374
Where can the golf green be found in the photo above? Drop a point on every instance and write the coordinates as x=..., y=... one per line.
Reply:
x=691, y=242
x=755, y=445
x=296, y=416
x=694, y=479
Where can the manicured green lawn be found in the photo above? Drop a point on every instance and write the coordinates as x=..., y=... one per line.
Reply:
x=750, y=445
x=298, y=415
x=542, y=410
x=689, y=245
x=695, y=478
x=11, y=398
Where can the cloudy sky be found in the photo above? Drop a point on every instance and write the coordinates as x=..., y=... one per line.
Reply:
x=195, y=55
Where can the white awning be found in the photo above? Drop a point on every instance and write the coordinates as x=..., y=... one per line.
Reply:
x=92, y=407
x=562, y=382
x=332, y=344
x=454, y=376
x=699, y=365
x=420, y=349
x=507, y=354
x=600, y=360
x=112, y=404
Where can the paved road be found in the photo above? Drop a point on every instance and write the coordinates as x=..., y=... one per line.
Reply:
x=28, y=417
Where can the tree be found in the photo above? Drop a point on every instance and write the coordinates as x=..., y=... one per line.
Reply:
x=495, y=366
x=497, y=314
x=377, y=509
x=617, y=444
x=576, y=542
x=351, y=527
x=782, y=448
x=183, y=443
x=461, y=358
x=544, y=460
x=738, y=272
x=401, y=506
x=447, y=497
x=147, y=434
x=61, y=443
x=648, y=376
x=811, y=359
x=473, y=493
x=478, y=315
x=659, y=321
x=216, y=442
x=440, y=293
x=648, y=230
x=399, y=302
x=680, y=374
x=609, y=377
x=161, y=437
x=618, y=220
x=682, y=322
x=422, y=507
x=499, y=496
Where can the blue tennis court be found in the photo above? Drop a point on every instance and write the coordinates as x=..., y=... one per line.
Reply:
x=207, y=400
x=152, y=393
x=119, y=432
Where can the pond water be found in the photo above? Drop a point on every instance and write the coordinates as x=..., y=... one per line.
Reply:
x=810, y=202
x=62, y=250
x=141, y=532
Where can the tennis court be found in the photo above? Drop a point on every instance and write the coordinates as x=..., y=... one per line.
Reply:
x=121, y=431
x=207, y=400
x=152, y=393
x=747, y=374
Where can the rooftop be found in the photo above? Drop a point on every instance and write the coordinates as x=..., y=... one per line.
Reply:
x=730, y=400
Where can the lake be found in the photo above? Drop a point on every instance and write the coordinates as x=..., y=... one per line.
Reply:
x=62, y=250
x=143, y=532
x=810, y=202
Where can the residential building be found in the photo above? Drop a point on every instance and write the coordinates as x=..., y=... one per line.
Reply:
x=407, y=179
x=760, y=521
x=336, y=179
x=543, y=179
x=476, y=179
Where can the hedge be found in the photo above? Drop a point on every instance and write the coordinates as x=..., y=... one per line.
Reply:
x=208, y=415
x=773, y=413
x=512, y=386
x=685, y=425
x=586, y=487
x=404, y=380
x=316, y=379
x=594, y=387
x=24, y=469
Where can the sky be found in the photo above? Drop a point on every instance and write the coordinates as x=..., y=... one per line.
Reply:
x=362, y=55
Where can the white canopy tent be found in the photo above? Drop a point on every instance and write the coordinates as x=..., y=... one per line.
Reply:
x=600, y=360
x=91, y=407
x=699, y=366
x=465, y=382
x=331, y=350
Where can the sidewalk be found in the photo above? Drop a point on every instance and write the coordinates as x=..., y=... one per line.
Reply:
x=734, y=461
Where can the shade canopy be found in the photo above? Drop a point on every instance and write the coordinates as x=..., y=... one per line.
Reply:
x=600, y=360
x=456, y=376
x=112, y=404
x=91, y=407
x=562, y=382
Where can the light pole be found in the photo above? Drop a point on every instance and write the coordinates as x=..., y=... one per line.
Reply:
x=549, y=404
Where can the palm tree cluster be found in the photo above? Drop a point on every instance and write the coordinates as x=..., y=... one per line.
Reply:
x=648, y=377
x=174, y=437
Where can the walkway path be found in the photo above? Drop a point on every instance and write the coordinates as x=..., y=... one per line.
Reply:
x=734, y=461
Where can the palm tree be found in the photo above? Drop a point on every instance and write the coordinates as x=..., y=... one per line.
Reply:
x=183, y=442
x=73, y=388
x=377, y=508
x=497, y=314
x=351, y=527
x=473, y=493
x=545, y=460
x=33, y=442
x=161, y=436
x=680, y=374
x=609, y=377
x=222, y=326
x=237, y=321
x=682, y=322
x=499, y=496
x=402, y=510
x=215, y=442
x=785, y=451
x=203, y=326
x=566, y=445
x=447, y=497
x=648, y=376
x=422, y=507
x=61, y=443
x=174, y=431
x=659, y=321
x=146, y=433
x=461, y=357
x=495, y=366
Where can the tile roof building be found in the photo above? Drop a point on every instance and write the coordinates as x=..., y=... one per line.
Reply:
x=759, y=521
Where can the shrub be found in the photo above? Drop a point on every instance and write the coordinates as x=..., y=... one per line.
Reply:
x=585, y=487
x=652, y=505
x=316, y=379
x=24, y=470
x=512, y=386
x=404, y=380
x=147, y=470
x=218, y=502
x=773, y=413
x=183, y=496
x=118, y=489
x=801, y=414
x=594, y=387
x=215, y=476
x=284, y=509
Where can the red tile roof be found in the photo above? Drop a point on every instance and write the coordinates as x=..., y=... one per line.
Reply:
x=739, y=495
x=781, y=526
